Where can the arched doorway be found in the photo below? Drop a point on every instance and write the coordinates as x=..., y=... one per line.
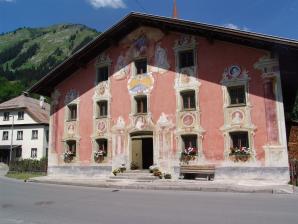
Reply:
x=141, y=149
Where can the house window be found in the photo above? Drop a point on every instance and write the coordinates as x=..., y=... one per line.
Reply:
x=237, y=95
x=34, y=153
x=102, y=74
x=5, y=135
x=186, y=59
x=34, y=134
x=20, y=135
x=141, y=104
x=18, y=152
x=141, y=66
x=47, y=135
x=102, y=145
x=188, y=100
x=189, y=141
x=71, y=147
x=239, y=139
x=72, y=112
x=21, y=115
x=6, y=116
x=102, y=108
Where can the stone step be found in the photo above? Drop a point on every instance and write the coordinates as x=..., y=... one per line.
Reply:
x=143, y=175
x=139, y=177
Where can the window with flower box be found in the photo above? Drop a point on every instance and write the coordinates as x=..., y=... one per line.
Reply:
x=72, y=147
x=239, y=139
x=189, y=141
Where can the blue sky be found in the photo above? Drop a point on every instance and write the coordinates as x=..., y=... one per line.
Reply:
x=271, y=17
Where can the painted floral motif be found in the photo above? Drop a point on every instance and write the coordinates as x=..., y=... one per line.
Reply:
x=188, y=120
x=140, y=84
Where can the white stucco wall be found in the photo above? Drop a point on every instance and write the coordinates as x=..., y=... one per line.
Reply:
x=27, y=119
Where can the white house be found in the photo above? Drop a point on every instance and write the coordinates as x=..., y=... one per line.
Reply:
x=29, y=120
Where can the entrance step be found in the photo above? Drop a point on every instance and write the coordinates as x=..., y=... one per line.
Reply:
x=137, y=175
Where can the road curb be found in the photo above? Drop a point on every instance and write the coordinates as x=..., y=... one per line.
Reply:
x=162, y=186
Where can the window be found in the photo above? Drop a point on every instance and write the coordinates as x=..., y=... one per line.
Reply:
x=237, y=95
x=72, y=112
x=141, y=103
x=6, y=116
x=21, y=115
x=141, y=66
x=102, y=108
x=47, y=135
x=239, y=139
x=186, y=59
x=34, y=153
x=189, y=141
x=188, y=100
x=5, y=135
x=71, y=147
x=102, y=145
x=34, y=134
x=102, y=74
x=18, y=152
x=20, y=135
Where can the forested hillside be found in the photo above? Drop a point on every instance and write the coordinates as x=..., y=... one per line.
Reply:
x=27, y=54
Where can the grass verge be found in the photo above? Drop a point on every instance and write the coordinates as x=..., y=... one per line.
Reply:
x=23, y=175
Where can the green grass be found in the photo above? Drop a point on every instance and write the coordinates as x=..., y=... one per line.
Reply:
x=23, y=175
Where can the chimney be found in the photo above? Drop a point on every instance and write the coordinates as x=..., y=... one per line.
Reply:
x=175, y=12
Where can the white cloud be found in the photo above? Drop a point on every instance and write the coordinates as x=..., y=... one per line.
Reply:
x=115, y=4
x=7, y=0
x=235, y=27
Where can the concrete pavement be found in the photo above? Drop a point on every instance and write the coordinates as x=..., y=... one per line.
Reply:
x=182, y=185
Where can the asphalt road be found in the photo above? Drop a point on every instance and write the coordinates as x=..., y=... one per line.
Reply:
x=34, y=203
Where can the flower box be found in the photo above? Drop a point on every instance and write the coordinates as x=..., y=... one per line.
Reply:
x=240, y=154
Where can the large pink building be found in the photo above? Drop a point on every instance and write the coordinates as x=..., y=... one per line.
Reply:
x=155, y=90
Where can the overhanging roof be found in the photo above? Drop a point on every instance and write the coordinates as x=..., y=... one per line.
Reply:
x=134, y=20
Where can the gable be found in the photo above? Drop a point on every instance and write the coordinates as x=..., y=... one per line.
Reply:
x=133, y=21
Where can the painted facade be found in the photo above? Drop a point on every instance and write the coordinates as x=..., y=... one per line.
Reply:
x=210, y=121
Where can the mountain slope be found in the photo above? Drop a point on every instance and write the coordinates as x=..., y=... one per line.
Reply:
x=27, y=54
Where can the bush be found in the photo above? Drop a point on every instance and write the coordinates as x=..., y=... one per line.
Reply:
x=29, y=165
